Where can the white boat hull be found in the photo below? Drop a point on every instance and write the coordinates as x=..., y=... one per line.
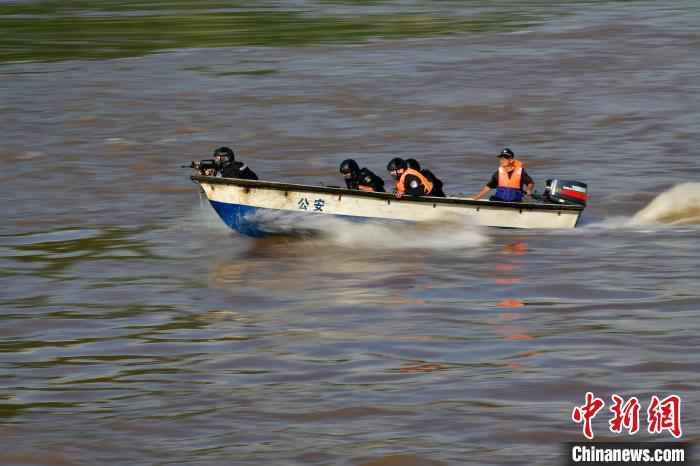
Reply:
x=244, y=205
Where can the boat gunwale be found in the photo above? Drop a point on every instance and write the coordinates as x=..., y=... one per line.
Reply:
x=387, y=196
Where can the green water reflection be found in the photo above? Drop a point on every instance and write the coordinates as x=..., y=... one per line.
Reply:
x=54, y=31
x=51, y=258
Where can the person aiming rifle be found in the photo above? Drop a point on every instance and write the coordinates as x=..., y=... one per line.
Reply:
x=204, y=167
x=225, y=165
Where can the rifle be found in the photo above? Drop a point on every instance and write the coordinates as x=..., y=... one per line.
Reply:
x=202, y=165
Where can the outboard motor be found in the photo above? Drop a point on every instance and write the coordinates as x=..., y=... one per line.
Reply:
x=566, y=192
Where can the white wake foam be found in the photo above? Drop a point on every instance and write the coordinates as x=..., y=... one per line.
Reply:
x=445, y=234
x=679, y=205
x=439, y=235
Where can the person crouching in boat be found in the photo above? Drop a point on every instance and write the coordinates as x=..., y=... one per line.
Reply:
x=510, y=180
x=229, y=167
x=437, y=182
x=364, y=179
x=408, y=180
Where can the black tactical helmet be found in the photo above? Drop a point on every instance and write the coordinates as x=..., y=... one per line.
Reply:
x=506, y=153
x=349, y=167
x=225, y=152
x=413, y=164
x=396, y=164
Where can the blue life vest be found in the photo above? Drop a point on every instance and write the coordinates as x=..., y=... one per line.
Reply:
x=507, y=195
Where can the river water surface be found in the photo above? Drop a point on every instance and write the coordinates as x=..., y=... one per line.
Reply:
x=137, y=329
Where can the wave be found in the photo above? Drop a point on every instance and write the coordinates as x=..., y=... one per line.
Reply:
x=679, y=205
x=444, y=234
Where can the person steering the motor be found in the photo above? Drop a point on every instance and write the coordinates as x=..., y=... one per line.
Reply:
x=510, y=180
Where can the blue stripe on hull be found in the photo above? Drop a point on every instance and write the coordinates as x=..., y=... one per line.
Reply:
x=236, y=216
x=259, y=221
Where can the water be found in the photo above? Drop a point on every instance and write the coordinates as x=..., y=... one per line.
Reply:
x=137, y=329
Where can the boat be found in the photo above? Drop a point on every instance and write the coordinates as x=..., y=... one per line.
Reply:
x=257, y=208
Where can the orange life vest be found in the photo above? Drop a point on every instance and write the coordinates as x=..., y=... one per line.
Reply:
x=504, y=181
x=401, y=184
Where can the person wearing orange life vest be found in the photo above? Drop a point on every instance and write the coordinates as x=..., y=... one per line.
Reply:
x=510, y=180
x=437, y=182
x=408, y=180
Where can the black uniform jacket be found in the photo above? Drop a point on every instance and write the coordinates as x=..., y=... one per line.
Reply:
x=238, y=170
x=367, y=179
